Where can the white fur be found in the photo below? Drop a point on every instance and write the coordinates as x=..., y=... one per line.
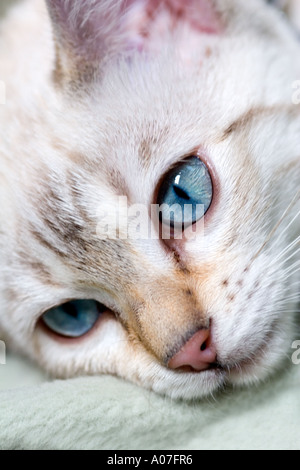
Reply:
x=188, y=104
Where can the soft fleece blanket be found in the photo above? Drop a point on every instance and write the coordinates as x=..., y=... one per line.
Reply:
x=108, y=413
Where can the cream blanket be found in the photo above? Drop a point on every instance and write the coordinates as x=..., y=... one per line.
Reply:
x=108, y=413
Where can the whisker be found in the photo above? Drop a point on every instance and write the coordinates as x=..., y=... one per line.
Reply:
x=289, y=311
x=287, y=270
x=274, y=230
x=286, y=251
x=292, y=274
x=288, y=226
x=291, y=286
x=293, y=297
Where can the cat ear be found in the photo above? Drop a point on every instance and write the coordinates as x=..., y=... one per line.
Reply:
x=88, y=31
x=84, y=30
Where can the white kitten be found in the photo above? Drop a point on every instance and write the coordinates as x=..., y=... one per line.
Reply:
x=152, y=101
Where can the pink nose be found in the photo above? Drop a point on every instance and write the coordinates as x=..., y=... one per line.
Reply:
x=197, y=354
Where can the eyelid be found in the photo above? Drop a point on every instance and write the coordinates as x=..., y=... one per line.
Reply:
x=41, y=327
x=56, y=305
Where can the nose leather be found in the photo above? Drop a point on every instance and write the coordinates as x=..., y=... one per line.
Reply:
x=198, y=353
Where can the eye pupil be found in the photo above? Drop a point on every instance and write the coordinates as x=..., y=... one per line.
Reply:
x=181, y=193
x=70, y=309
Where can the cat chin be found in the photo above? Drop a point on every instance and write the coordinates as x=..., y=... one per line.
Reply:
x=199, y=385
x=150, y=376
x=128, y=361
x=190, y=386
x=154, y=377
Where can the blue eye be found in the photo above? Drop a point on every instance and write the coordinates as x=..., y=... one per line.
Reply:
x=186, y=193
x=73, y=319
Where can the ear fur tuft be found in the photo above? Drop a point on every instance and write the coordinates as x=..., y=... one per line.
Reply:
x=84, y=31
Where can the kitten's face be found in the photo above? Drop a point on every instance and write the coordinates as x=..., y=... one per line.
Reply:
x=183, y=317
